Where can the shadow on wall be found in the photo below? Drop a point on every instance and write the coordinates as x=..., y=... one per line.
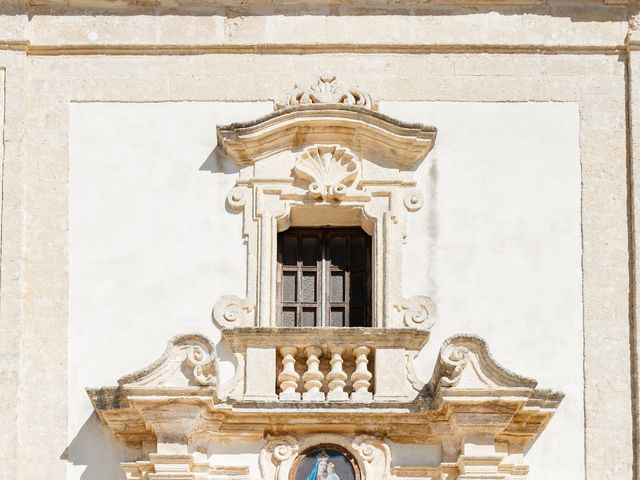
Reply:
x=219, y=162
x=95, y=448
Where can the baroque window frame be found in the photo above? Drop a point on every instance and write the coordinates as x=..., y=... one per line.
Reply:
x=325, y=165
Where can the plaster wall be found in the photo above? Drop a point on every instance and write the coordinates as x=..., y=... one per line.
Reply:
x=497, y=247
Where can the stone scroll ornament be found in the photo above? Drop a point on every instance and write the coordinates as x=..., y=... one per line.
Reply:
x=326, y=90
x=189, y=360
x=232, y=311
x=331, y=171
x=469, y=355
x=418, y=312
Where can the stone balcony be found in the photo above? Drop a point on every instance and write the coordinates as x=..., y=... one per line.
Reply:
x=297, y=387
x=308, y=365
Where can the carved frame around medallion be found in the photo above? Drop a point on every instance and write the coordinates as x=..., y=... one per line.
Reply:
x=326, y=446
x=370, y=454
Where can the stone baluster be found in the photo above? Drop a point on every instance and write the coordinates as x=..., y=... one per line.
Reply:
x=313, y=377
x=361, y=377
x=337, y=377
x=288, y=378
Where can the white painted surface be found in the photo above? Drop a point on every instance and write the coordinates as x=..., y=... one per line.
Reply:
x=498, y=247
x=148, y=247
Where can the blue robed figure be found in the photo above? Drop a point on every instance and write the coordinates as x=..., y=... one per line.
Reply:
x=319, y=470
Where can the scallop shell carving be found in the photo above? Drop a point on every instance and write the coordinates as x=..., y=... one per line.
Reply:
x=330, y=170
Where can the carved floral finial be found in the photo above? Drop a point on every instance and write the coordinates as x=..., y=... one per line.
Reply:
x=330, y=170
x=326, y=90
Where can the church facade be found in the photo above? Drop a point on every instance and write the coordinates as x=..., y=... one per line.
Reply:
x=351, y=241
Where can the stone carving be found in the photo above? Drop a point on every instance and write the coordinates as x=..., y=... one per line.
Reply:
x=418, y=312
x=330, y=169
x=288, y=377
x=313, y=377
x=274, y=453
x=188, y=360
x=465, y=362
x=326, y=90
x=237, y=197
x=413, y=201
x=336, y=378
x=375, y=455
x=233, y=388
x=316, y=165
x=232, y=311
x=469, y=398
x=361, y=376
x=412, y=377
x=372, y=454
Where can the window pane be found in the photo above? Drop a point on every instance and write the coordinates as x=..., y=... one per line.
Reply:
x=356, y=317
x=337, y=286
x=289, y=317
x=337, y=317
x=356, y=288
x=308, y=317
x=358, y=251
x=289, y=250
x=309, y=287
x=288, y=286
x=337, y=250
x=309, y=251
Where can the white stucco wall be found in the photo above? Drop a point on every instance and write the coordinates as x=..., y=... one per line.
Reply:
x=149, y=249
x=497, y=246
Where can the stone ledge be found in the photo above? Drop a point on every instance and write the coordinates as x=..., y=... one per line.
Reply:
x=408, y=338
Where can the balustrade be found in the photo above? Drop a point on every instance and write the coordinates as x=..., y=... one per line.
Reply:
x=288, y=378
x=333, y=365
x=333, y=372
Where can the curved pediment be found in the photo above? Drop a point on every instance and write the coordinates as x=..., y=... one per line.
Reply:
x=368, y=134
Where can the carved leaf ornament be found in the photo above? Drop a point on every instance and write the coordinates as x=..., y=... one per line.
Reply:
x=327, y=90
x=330, y=170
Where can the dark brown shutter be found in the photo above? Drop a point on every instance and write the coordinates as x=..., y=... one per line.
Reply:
x=342, y=258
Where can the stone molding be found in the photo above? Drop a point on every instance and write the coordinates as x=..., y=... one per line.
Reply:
x=322, y=164
x=181, y=467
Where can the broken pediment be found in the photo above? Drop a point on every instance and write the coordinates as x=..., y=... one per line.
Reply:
x=272, y=364
x=465, y=362
x=188, y=361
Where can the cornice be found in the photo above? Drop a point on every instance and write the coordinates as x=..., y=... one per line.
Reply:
x=136, y=5
x=362, y=130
